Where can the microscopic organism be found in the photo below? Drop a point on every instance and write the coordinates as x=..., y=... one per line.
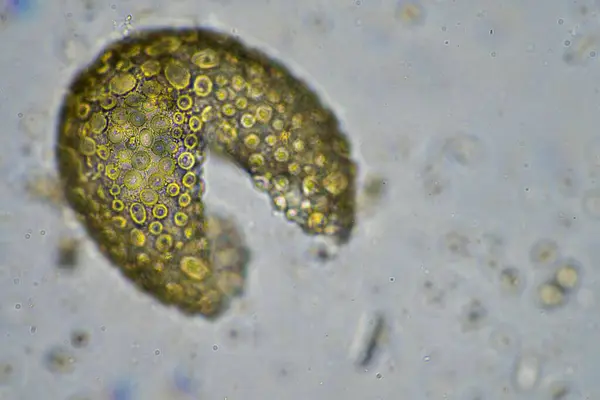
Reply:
x=134, y=130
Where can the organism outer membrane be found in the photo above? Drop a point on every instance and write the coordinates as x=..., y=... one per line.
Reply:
x=133, y=133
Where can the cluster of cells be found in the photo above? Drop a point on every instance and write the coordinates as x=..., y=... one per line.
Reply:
x=133, y=134
x=566, y=273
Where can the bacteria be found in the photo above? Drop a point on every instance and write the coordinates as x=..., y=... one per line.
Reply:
x=133, y=134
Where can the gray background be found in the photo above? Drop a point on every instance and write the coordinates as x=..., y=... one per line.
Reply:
x=481, y=117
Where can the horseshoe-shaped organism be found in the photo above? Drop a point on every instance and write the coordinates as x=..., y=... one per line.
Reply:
x=133, y=133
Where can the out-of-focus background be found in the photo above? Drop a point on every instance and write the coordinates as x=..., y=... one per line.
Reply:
x=472, y=273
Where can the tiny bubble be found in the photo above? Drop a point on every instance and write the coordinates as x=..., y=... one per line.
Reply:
x=493, y=54
x=42, y=232
x=426, y=358
x=20, y=115
x=18, y=306
x=215, y=347
x=379, y=376
x=16, y=281
x=27, y=235
x=567, y=43
x=561, y=21
x=157, y=352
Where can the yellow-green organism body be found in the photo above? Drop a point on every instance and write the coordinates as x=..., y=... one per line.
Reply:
x=133, y=133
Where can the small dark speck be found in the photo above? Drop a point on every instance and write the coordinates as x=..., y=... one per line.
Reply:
x=20, y=115
x=491, y=31
x=392, y=279
x=16, y=281
x=79, y=339
x=215, y=347
x=323, y=254
x=379, y=376
x=32, y=329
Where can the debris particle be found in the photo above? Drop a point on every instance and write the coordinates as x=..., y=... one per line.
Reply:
x=7, y=371
x=583, y=48
x=229, y=254
x=511, y=280
x=323, y=251
x=591, y=203
x=238, y=332
x=504, y=339
x=368, y=337
x=473, y=315
x=373, y=191
x=544, y=252
x=457, y=244
x=410, y=13
x=68, y=252
x=464, y=149
x=79, y=339
x=46, y=188
x=527, y=372
x=60, y=360
x=563, y=391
